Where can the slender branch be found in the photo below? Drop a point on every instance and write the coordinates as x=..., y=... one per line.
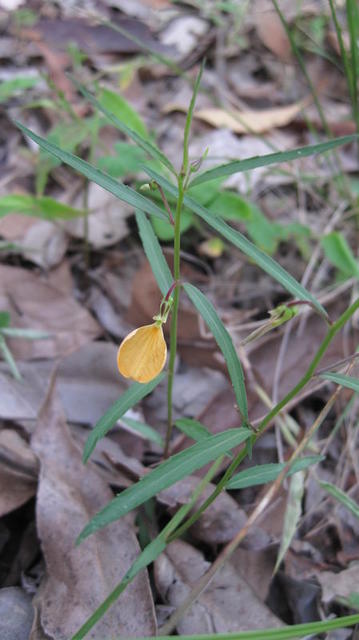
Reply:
x=227, y=551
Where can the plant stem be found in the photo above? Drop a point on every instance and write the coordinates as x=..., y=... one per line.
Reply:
x=265, y=423
x=182, y=180
x=174, y=319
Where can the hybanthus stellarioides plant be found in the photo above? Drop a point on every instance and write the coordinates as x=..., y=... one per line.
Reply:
x=142, y=354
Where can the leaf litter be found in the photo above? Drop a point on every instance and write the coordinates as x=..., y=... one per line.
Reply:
x=45, y=285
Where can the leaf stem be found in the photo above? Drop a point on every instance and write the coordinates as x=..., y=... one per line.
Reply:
x=174, y=319
x=264, y=424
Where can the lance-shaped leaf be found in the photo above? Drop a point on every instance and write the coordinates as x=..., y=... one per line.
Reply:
x=119, y=190
x=238, y=166
x=175, y=468
x=345, y=381
x=224, y=341
x=132, y=395
x=106, y=99
x=154, y=253
x=264, y=261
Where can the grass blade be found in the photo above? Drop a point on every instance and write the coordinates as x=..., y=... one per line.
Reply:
x=142, y=142
x=341, y=379
x=283, y=633
x=224, y=341
x=237, y=166
x=291, y=517
x=119, y=190
x=342, y=497
x=175, y=468
x=264, y=261
x=132, y=395
x=153, y=251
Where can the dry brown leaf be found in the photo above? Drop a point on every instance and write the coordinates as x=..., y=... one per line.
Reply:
x=88, y=383
x=272, y=33
x=341, y=584
x=250, y=121
x=18, y=471
x=222, y=519
x=257, y=567
x=69, y=494
x=35, y=304
x=228, y=603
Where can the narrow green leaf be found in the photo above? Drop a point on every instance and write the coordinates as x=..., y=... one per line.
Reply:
x=281, y=633
x=129, y=398
x=5, y=319
x=42, y=207
x=8, y=88
x=292, y=514
x=153, y=251
x=342, y=497
x=121, y=109
x=9, y=358
x=28, y=334
x=193, y=429
x=224, y=341
x=142, y=142
x=341, y=379
x=264, y=473
x=189, y=116
x=338, y=252
x=102, y=179
x=238, y=166
x=264, y=261
x=144, y=430
x=175, y=468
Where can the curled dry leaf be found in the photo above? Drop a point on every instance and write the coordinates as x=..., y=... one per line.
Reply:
x=35, y=304
x=106, y=221
x=18, y=471
x=69, y=494
x=245, y=121
x=228, y=603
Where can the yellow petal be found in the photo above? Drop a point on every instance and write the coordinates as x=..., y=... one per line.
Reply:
x=142, y=354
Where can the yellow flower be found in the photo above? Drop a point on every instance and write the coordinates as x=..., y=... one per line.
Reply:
x=142, y=354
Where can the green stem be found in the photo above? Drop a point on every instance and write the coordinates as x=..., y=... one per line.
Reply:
x=174, y=320
x=269, y=417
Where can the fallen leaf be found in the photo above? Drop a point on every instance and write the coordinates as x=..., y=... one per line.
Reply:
x=249, y=121
x=92, y=38
x=222, y=519
x=106, y=221
x=88, y=383
x=228, y=603
x=184, y=32
x=272, y=33
x=341, y=584
x=69, y=494
x=18, y=471
x=256, y=567
x=35, y=304
x=44, y=244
